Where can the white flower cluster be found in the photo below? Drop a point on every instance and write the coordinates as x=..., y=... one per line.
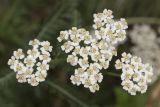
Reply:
x=109, y=30
x=135, y=75
x=92, y=53
x=38, y=56
x=147, y=46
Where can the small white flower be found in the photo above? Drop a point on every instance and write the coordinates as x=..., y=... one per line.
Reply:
x=73, y=60
x=127, y=84
x=94, y=88
x=142, y=81
x=35, y=43
x=90, y=71
x=12, y=62
x=83, y=62
x=76, y=51
x=99, y=77
x=67, y=47
x=126, y=57
x=103, y=47
x=21, y=78
x=101, y=34
x=135, y=60
x=96, y=66
x=46, y=46
x=63, y=36
x=75, y=80
x=133, y=90
x=88, y=39
x=18, y=54
x=123, y=23
x=127, y=68
x=104, y=63
x=28, y=72
x=149, y=77
x=42, y=66
x=75, y=40
x=108, y=55
x=79, y=71
x=126, y=75
x=33, y=81
x=45, y=57
x=19, y=67
x=84, y=51
x=86, y=82
x=29, y=61
x=40, y=77
x=96, y=57
x=94, y=49
x=136, y=76
x=143, y=88
x=118, y=64
x=108, y=14
x=33, y=53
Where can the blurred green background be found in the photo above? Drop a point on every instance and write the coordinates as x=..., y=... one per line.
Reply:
x=23, y=20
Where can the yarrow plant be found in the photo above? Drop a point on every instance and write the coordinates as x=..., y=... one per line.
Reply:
x=135, y=75
x=92, y=53
x=32, y=68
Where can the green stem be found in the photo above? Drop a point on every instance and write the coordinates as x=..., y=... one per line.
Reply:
x=112, y=74
x=6, y=78
x=50, y=23
x=143, y=20
x=66, y=93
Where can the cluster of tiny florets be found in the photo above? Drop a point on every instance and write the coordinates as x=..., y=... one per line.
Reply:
x=82, y=48
x=107, y=29
x=92, y=53
x=135, y=75
x=147, y=46
x=37, y=58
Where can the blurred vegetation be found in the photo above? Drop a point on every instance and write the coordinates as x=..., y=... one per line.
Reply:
x=23, y=20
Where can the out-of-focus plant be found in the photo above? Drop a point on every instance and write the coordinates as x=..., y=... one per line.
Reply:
x=146, y=46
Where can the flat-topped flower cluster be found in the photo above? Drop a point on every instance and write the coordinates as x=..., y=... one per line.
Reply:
x=135, y=75
x=92, y=53
x=37, y=58
x=109, y=30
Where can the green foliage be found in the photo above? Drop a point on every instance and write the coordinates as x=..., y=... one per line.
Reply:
x=23, y=20
x=125, y=100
